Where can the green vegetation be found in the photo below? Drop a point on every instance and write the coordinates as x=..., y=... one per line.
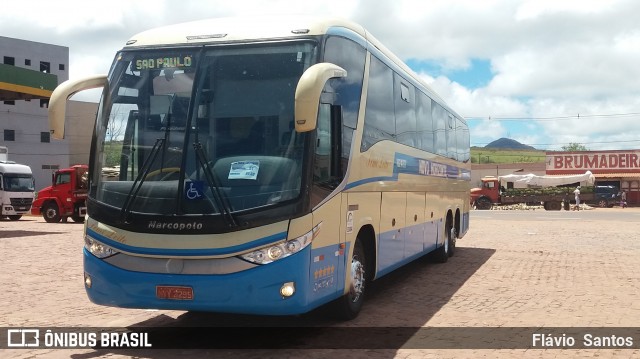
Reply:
x=112, y=152
x=546, y=191
x=574, y=147
x=498, y=155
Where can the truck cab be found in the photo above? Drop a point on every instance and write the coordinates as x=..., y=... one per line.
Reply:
x=66, y=197
x=16, y=190
x=489, y=193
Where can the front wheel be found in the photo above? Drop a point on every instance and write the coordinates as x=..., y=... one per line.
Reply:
x=603, y=203
x=51, y=213
x=348, y=306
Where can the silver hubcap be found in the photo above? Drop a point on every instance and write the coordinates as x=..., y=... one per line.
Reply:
x=446, y=243
x=51, y=213
x=357, y=279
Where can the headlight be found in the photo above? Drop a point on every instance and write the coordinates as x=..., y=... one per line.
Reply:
x=98, y=249
x=281, y=250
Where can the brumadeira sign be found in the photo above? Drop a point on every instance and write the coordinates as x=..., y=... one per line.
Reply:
x=596, y=162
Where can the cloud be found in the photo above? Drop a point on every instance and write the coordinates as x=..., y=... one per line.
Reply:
x=548, y=58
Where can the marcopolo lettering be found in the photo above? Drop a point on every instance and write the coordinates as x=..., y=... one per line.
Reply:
x=175, y=225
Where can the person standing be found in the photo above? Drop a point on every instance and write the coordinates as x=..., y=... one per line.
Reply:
x=623, y=199
x=577, y=195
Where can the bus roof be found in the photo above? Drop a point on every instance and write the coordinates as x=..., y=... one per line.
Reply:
x=232, y=29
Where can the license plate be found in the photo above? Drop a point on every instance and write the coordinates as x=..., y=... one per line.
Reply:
x=21, y=209
x=174, y=292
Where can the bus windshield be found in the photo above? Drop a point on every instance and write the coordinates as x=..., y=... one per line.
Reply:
x=201, y=130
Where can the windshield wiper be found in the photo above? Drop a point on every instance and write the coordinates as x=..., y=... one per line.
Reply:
x=218, y=195
x=137, y=183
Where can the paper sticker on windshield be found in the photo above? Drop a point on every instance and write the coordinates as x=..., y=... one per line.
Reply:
x=244, y=170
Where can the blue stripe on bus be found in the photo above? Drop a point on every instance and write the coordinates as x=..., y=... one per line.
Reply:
x=372, y=179
x=188, y=252
x=410, y=165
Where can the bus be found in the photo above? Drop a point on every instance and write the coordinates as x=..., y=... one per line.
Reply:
x=264, y=166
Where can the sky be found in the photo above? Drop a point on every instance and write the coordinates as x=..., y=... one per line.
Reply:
x=547, y=73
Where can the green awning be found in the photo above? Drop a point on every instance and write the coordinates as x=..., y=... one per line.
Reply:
x=17, y=83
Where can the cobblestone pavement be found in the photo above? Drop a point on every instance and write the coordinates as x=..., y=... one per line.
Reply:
x=513, y=269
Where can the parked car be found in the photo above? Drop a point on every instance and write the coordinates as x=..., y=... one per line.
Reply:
x=606, y=196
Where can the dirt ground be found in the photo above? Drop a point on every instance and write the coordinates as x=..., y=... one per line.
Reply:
x=534, y=270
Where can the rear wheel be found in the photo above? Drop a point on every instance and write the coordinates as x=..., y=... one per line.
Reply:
x=442, y=254
x=483, y=203
x=77, y=219
x=51, y=213
x=553, y=206
x=349, y=305
x=453, y=236
x=603, y=203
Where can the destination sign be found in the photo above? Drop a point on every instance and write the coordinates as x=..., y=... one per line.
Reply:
x=168, y=62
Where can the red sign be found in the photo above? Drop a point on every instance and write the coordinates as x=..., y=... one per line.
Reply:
x=596, y=162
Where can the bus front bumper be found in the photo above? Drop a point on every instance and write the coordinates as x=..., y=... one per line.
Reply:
x=253, y=291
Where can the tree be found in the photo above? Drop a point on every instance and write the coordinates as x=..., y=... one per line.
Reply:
x=573, y=146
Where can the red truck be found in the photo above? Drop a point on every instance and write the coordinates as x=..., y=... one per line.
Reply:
x=66, y=197
x=551, y=191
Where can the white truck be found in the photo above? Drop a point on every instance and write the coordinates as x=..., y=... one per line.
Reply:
x=17, y=188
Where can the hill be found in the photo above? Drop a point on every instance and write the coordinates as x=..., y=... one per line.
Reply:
x=509, y=143
x=485, y=155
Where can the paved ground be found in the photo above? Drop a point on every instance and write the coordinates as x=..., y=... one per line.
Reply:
x=513, y=269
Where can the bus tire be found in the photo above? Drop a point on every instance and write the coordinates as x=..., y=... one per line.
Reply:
x=441, y=255
x=348, y=306
x=453, y=236
x=51, y=213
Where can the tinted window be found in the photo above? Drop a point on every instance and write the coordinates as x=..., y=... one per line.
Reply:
x=351, y=57
x=440, y=117
x=405, y=111
x=462, y=140
x=379, y=122
x=424, y=122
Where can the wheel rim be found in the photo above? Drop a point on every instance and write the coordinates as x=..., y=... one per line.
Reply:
x=603, y=203
x=446, y=242
x=51, y=212
x=453, y=235
x=357, y=279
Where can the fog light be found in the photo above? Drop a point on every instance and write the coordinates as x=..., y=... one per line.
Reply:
x=287, y=289
x=87, y=280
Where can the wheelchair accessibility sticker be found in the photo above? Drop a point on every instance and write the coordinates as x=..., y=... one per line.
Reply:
x=194, y=190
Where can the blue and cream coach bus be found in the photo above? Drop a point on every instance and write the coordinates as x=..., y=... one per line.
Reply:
x=265, y=166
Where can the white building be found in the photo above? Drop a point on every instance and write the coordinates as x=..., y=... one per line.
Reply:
x=29, y=71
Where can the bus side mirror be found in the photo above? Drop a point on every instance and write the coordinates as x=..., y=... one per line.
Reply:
x=59, y=97
x=307, y=98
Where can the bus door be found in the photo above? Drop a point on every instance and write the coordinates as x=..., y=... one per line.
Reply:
x=329, y=250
